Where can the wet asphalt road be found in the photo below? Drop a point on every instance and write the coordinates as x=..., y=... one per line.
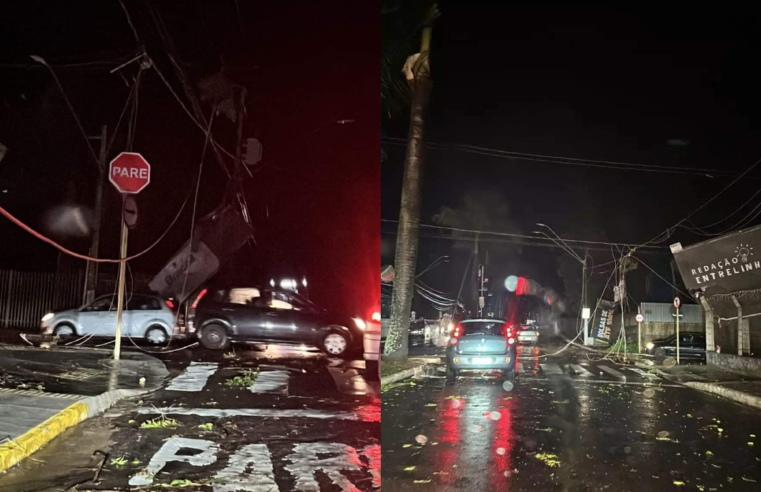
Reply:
x=562, y=431
x=306, y=422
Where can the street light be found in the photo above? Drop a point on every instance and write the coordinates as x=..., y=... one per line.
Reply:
x=563, y=245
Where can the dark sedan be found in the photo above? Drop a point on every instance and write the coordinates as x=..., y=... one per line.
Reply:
x=267, y=315
x=692, y=346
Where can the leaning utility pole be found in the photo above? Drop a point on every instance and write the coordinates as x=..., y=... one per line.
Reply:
x=417, y=70
x=91, y=280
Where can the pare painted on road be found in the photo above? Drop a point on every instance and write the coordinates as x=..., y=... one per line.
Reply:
x=251, y=468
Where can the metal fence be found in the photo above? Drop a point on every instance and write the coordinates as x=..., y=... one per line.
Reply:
x=25, y=297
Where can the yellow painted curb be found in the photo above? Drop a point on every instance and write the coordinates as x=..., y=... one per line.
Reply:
x=12, y=452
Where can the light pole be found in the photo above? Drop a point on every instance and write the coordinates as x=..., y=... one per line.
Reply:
x=565, y=247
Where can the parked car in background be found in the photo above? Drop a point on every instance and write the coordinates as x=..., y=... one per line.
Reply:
x=692, y=346
x=264, y=315
x=144, y=316
x=528, y=334
x=481, y=344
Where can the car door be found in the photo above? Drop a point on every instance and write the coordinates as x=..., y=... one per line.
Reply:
x=93, y=316
x=306, y=318
x=685, y=346
x=278, y=320
x=243, y=307
x=138, y=311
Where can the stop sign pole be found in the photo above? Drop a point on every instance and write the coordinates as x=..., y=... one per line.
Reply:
x=130, y=173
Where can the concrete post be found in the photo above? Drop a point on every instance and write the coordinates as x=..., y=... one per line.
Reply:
x=739, y=325
x=710, y=340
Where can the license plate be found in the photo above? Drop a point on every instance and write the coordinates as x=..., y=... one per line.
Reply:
x=482, y=360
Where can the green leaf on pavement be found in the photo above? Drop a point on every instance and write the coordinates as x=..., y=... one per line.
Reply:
x=422, y=481
x=410, y=468
x=208, y=426
x=709, y=453
x=678, y=483
x=120, y=461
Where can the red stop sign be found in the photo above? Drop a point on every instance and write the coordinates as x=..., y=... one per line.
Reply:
x=129, y=172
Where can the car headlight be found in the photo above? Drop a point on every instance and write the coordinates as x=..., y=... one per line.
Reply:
x=360, y=323
x=649, y=345
x=48, y=317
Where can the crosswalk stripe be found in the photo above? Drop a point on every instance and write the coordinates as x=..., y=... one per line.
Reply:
x=551, y=368
x=272, y=382
x=577, y=369
x=613, y=372
x=193, y=378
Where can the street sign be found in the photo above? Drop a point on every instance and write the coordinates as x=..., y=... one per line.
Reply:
x=129, y=211
x=639, y=318
x=129, y=172
x=677, y=302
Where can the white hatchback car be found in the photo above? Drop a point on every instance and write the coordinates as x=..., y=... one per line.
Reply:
x=144, y=316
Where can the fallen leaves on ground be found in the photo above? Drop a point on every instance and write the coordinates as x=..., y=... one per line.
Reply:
x=549, y=459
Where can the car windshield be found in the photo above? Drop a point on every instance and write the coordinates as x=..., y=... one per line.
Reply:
x=482, y=328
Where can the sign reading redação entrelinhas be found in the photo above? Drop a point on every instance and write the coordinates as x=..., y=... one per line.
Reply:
x=726, y=264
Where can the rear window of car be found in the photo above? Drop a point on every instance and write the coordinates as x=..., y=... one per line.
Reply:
x=482, y=328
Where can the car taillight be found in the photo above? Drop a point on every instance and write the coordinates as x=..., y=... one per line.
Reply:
x=511, y=341
x=455, y=335
x=198, y=299
x=376, y=317
x=507, y=331
x=169, y=304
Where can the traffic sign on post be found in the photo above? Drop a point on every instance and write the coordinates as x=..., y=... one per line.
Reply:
x=677, y=303
x=639, y=318
x=129, y=172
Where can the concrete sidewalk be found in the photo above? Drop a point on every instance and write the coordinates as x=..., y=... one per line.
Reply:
x=45, y=391
x=733, y=386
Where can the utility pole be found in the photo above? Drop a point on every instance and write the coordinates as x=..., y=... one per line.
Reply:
x=91, y=279
x=122, y=277
x=584, y=314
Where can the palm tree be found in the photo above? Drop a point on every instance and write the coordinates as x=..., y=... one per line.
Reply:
x=417, y=71
x=400, y=24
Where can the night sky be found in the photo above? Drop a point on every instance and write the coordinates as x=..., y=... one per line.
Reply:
x=311, y=73
x=663, y=86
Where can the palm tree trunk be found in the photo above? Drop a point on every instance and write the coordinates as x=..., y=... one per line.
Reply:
x=407, y=238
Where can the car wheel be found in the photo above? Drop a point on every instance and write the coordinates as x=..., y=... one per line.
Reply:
x=334, y=344
x=451, y=375
x=64, y=330
x=372, y=370
x=215, y=337
x=660, y=355
x=156, y=335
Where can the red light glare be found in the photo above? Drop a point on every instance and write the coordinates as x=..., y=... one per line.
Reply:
x=376, y=317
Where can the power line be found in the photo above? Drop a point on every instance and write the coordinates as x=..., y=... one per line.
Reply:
x=659, y=276
x=510, y=234
x=668, y=232
x=569, y=161
x=518, y=243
